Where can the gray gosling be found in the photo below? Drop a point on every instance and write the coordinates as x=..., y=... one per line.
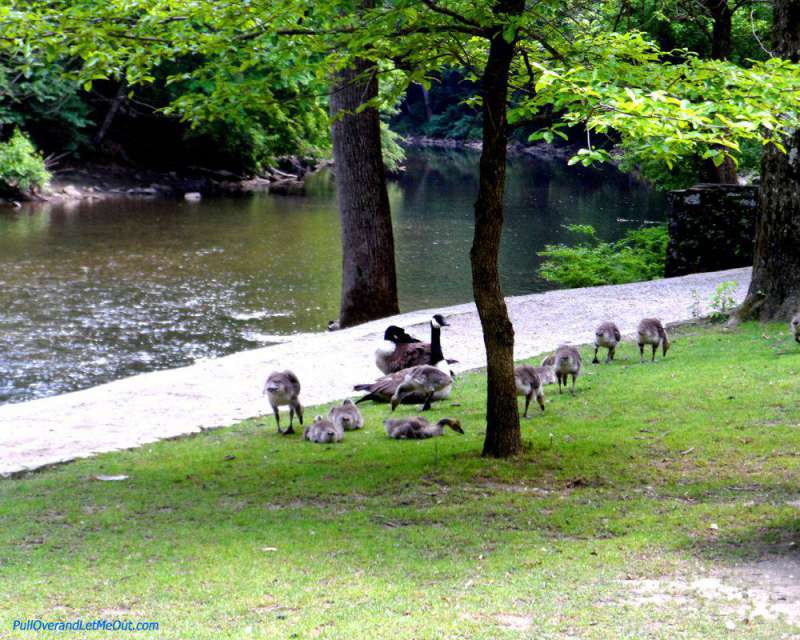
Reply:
x=566, y=361
x=418, y=384
x=794, y=327
x=652, y=332
x=282, y=388
x=528, y=384
x=546, y=372
x=347, y=417
x=607, y=336
x=418, y=428
x=323, y=431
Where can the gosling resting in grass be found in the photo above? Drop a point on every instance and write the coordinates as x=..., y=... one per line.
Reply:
x=529, y=385
x=794, y=327
x=566, y=361
x=606, y=336
x=282, y=388
x=424, y=384
x=652, y=332
x=346, y=417
x=323, y=431
x=418, y=428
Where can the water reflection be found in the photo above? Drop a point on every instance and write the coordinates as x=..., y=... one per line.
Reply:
x=92, y=292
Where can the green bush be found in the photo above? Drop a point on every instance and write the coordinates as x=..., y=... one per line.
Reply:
x=22, y=168
x=640, y=255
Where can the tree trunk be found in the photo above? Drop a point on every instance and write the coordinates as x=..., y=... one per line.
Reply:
x=775, y=288
x=369, y=281
x=721, y=49
x=116, y=103
x=502, y=415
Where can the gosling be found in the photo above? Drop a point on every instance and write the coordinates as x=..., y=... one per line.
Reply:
x=652, y=332
x=528, y=384
x=418, y=428
x=346, y=417
x=323, y=431
x=283, y=388
x=566, y=361
x=607, y=336
x=794, y=327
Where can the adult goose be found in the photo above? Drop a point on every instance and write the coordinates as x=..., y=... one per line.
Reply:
x=282, y=388
x=417, y=428
x=401, y=350
x=652, y=332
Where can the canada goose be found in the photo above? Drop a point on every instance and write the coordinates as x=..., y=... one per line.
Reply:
x=401, y=350
x=283, y=388
x=417, y=428
x=528, y=384
x=323, y=431
x=565, y=361
x=652, y=332
x=794, y=327
x=347, y=417
x=606, y=335
x=416, y=384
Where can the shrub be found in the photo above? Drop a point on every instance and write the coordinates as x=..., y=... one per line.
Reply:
x=640, y=255
x=22, y=168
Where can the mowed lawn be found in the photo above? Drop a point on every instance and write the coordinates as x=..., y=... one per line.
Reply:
x=652, y=483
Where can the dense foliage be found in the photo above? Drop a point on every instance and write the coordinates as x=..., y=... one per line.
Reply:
x=22, y=169
x=640, y=255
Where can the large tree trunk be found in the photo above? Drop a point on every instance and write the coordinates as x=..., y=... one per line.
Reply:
x=775, y=288
x=369, y=281
x=502, y=415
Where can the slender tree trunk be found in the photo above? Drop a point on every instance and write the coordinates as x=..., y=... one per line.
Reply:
x=775, y=288
x=369, y=281
x=116, y=103
x=721, y=49
x=502, y=415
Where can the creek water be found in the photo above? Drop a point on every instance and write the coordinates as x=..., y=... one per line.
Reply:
x=95, y=291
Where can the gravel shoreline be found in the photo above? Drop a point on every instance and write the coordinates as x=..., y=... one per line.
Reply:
x=165, y=404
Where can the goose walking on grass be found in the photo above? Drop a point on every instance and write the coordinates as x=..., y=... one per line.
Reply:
x=794, y=327
x=402, y=351
x=652, y=332
x=607, y=336
x=347, y=416
x=566, y=361
x=418, y=428
x=529, y=385
x=282, y=388
x=424, y=384
x=323, y=431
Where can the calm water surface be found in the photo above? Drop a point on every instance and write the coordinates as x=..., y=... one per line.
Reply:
x=98, y=291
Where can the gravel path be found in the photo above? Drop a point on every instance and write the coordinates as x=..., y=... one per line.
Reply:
x=164, y=404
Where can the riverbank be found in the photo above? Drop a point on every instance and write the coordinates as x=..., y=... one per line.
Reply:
x=93, y=181
x=165, y=404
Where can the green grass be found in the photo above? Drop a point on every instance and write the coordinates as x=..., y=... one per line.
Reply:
x=376, y=538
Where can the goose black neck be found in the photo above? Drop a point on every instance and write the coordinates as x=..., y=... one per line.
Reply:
x=436, y=345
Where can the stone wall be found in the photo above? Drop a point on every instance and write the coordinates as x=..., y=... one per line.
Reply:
x=711, y=227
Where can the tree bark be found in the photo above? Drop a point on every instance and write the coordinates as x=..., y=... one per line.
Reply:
x=775, y=287
x=721, y=49
x=369, y=280
x=502, y=414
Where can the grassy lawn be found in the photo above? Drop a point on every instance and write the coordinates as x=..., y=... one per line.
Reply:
x=652, y=477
